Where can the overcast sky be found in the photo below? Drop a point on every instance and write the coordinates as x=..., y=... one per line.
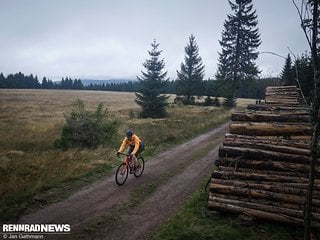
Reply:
x=102, y=39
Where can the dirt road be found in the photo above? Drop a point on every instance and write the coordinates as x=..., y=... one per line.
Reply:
x=169, y=177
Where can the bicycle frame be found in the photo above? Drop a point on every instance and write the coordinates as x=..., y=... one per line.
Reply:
x=128, y=164
x=127, y=161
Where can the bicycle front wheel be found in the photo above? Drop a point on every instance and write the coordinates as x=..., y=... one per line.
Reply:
x=140, y=167
x=122, y=174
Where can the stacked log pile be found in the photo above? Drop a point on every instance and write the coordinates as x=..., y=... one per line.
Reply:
x=262, y=170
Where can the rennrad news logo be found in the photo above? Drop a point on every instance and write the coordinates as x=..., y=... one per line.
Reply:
x=33, y=231
x=36, y=228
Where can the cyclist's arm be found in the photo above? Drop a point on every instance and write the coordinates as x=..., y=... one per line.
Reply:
x=136, y=145
x=123, y=145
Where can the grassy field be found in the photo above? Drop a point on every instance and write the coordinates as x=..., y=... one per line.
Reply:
x=33, y=172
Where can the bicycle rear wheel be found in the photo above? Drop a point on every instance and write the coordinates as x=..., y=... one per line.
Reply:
x=140, y=168
x=122, y=174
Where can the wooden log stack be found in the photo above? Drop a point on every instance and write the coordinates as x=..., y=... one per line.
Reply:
x=263, y=164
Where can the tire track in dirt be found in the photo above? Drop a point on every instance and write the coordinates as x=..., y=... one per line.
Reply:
x=105, y=197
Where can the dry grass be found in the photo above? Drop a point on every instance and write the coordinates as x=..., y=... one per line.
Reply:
x=30, y=121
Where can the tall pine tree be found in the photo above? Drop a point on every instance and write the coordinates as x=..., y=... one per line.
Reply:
x=190, y=77
x=240, y=39
x=303, y=64
x=152, y=84
x=287, y=75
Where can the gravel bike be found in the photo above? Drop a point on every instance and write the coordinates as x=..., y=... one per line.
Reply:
x=128, y=167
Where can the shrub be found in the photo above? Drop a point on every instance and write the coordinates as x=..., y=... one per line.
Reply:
x=229, y=102
x=86, y=129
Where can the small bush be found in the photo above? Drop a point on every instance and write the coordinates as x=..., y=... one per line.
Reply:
x=229, y=102
x=212, y=102
x=86, y=129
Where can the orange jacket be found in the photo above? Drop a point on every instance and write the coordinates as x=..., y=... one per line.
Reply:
x=133, y=142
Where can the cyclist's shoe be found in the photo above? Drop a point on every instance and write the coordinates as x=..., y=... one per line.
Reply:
x=135, y=169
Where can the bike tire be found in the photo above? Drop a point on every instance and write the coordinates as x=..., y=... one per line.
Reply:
x=139, y=171
x=122, y=174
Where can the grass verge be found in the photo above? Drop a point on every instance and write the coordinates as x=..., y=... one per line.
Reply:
x=195, y=221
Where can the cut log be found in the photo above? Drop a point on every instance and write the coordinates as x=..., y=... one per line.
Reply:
x=259, y=117
x=257, y=214
x=259, y=177
x=298, y=206
x=268, y=147
x=267, y=165
x=262, y=107
x=274, y=140
x=264, y=171
x=288, y=188
x=269, y=129
x=254, y=193
x=249, y=153
x=266, y=208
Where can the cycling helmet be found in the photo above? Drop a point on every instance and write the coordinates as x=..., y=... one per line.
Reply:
x=129, y=133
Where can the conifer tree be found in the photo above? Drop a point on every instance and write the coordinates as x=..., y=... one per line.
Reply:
x=190, y=77
x=287, y=74
x=240, y=39
x=152, y=84
x=303, y=64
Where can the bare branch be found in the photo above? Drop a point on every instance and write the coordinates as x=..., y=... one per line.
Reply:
x=276, y=54
x=297, y=76
x=300, y=12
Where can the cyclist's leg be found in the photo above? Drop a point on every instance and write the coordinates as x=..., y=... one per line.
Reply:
x=141, y=148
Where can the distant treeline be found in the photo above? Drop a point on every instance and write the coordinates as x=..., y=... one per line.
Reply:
x=21, y=81
x=254, y=89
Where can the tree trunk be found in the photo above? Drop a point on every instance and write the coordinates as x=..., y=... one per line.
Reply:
x=290, y=188
x=273, y=140
x=267, y=165
x=226, y=152
x=262, y=107
x=269, y=117
x=268, y=147
x=315, y=118
x=298, y=214
x=269, y=129
x=256, y=213
x=256, y=193
x=259, y=177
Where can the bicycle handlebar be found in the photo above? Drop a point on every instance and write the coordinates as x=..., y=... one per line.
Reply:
x=123, y=154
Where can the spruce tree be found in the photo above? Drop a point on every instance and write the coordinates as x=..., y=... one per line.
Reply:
x=240, y=39
x=287, y=75
x=190, y=77
x=303, y=64
x=152, y=84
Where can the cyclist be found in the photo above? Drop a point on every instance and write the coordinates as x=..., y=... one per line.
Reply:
x=135, y=146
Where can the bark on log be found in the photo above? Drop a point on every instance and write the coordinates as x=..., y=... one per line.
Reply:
x=269, y=129
x=289, y=188
x=274, y=140
x=248, y=153
x=264, y=171
x=262, y=107
x=268, y=147
x=298, y=206
x=266, y=208
x=257, y=214
x=267, y=165
x=259, y=177
x=266, y=117
x=254, y=193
